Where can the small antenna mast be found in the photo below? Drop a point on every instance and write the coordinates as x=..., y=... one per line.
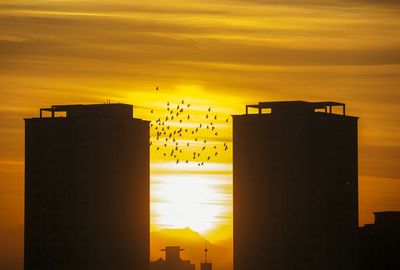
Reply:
x=205, y=252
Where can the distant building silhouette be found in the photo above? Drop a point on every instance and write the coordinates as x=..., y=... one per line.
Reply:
x=380, y=242
x=87, y=189
x=206, y=265
x=295, y=194
x=172, y=260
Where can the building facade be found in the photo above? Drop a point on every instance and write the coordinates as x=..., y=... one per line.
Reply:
x=86, y=189
x=206, y=266
x=295, y=187
x=379, y=243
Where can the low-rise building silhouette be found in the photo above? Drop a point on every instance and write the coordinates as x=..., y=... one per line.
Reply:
x=379, y=243
x=87, y=189
x=172, y=260
x=295, y=187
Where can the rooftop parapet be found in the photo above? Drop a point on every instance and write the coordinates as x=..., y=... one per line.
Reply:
x=285, y=107
x=116, y=110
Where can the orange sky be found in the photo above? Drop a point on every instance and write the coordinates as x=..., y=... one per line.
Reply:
x=222, y=54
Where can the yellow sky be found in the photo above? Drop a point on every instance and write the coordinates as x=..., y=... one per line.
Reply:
x=222, y=54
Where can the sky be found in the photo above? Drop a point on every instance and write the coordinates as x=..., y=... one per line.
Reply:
x=220, y=54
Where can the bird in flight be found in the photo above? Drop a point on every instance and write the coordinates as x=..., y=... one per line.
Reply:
x=157, y=88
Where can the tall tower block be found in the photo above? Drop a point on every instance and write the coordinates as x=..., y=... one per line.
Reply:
x=86, y=189
x=295, y=186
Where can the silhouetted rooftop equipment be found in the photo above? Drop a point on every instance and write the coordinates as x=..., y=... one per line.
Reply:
x=295, y=107
x=206, y=265
x=205, y=253
x=172, y=253
x=92, y=110
x=172, y=260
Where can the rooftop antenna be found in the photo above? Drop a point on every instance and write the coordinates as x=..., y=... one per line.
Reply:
x=205, y=253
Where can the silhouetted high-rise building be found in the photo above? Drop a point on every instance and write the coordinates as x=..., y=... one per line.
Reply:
x=172, y=260
x=379, y=243
x=87, y=189
x=295, y=186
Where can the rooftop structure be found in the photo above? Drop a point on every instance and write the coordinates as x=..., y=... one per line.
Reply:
x=172, y=260
x=206, y=265
x=296, y=107
x=93, y=110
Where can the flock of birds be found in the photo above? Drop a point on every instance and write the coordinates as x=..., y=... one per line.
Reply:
x=172, y=132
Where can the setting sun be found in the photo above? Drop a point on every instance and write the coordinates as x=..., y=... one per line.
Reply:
x=190, y=200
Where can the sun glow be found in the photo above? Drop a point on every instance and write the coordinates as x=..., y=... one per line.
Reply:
x=188, y=191
x=189, y=200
